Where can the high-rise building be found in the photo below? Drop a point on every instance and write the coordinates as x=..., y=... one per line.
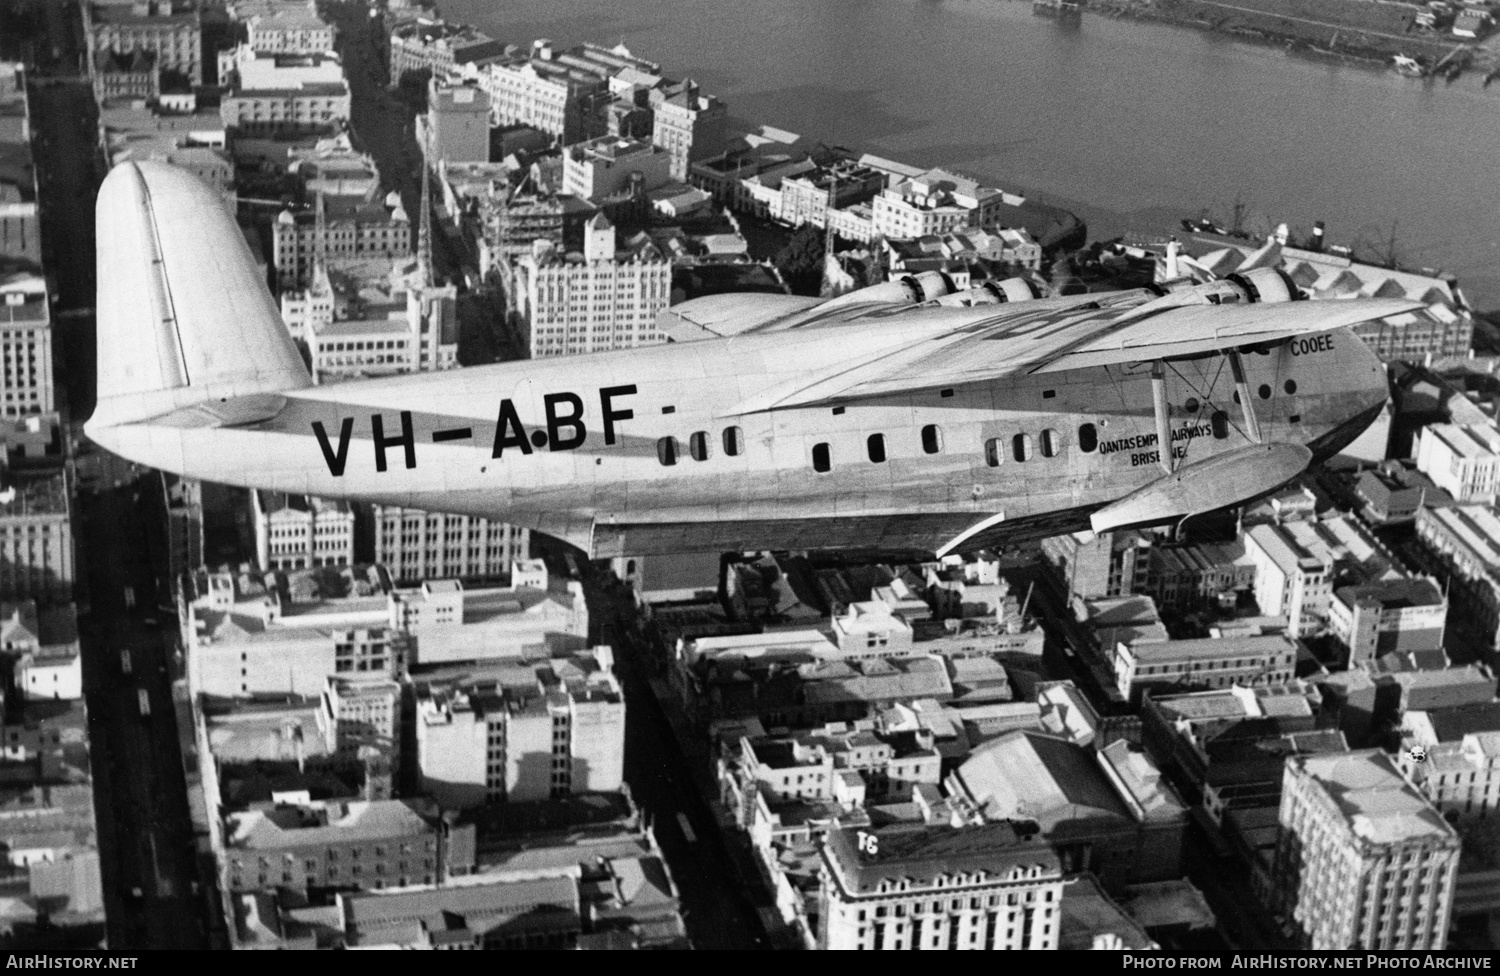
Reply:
x=559, y=734
x=689, y=125
x=929, y=887
x=603, y=299
x=416, y=545
x=25, y=344
x=456, y=128
x=1363, y=859
x=298, y=532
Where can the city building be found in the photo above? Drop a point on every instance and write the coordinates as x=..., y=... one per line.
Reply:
x=1203, y=663
x=807, y=198
x=311, y=107
x=20, y=226
x=171, y=30
x=434, y=46
x=543, y=729
x=363, y=714
x=1461, y=778
x=532, y=913
x=1104, y=565
x=447, y=623
x=1104, y=810
x=596, y=301
x=283, y=635
x=36, y=539
x=25, y=344
x=1392, y=616
x=1186, y=578
x=359, y=844
x=560, y=99
x=126, y=75
x=1465, y=539
x=416, y=545
x=688, y=124
x=195, y=141
x=1392, y=492
x=937, y=887
x=290, y=29
x=299, y=532
x=937, y=202
x=1445, y=327
x=1297, y=564
x=424, y=338
x=604, y=167
x=456, y=128
x=352, y=229
x=1227, y=747
x=44, y=650
x=1463, y=460
x=1364, y=860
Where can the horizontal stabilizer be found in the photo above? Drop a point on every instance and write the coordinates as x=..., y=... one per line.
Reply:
x=1207, y=485
x=184, y=315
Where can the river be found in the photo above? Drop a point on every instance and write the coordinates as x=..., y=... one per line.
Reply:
x=1129, y=124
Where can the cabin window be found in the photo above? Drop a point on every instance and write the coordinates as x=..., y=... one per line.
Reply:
x=698, y=445
x=822, y=461
x=945, y=393
x=1220, y=423
x=875, y=444
x=932, y=439
x=1020, y=447
x=1051, y=443
x=666, y=451
x=1290, y=386
x=733, y=441
x=1191, y=405
x=1265, y=391
x=992, y=453
x=1088, y=438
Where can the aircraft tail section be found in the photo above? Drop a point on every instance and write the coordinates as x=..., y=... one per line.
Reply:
x=184, y=316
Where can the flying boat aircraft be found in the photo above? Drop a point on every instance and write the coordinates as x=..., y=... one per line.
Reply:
x=910, y=416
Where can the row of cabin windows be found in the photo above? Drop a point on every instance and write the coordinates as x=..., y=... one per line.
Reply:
x=699, y=446
x=1021, y=445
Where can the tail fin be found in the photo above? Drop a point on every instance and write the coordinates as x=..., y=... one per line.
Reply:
x=183, y=314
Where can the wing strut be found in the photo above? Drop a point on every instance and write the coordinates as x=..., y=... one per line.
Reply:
x=1242, y=389
x=1163, y=423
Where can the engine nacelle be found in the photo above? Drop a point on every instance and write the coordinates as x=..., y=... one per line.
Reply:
x=995, y=293
x=906, y=290
x=1262, y=286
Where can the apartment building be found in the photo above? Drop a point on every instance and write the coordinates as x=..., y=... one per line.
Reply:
x=416, y=545
x=25, y=345
x=1461, y=459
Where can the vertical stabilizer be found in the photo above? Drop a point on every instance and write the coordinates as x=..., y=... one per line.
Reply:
x=184, y=314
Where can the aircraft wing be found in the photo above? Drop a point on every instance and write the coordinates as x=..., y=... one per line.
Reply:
x=1027, y=339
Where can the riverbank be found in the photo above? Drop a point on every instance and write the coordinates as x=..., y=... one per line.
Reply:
x=1265, y=22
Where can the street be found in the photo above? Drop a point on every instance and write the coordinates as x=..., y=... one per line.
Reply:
x=717, y=907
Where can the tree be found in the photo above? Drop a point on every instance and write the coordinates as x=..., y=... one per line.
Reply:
x=800, y=261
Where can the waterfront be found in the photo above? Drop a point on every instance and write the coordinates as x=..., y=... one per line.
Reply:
x=1126, y=123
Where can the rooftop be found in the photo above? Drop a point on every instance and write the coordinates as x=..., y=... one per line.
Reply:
x=1378, y=804
x=1214, y=648
x=286, y=825
x=925, y=854
x=1394, y=594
